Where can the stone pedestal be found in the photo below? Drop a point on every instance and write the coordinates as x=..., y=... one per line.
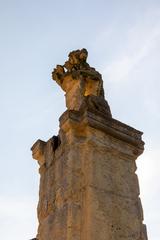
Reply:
x=88, y=187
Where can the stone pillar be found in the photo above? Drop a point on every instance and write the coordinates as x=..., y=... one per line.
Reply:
x=89, y=189
x=88, y=186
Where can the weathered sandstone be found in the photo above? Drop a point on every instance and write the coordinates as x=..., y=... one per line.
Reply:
x=88, y=187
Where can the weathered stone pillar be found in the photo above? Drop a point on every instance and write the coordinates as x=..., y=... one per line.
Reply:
x=88, y=188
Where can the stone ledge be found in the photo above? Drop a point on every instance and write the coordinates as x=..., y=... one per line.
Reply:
x=38, y=151
x=108, y=125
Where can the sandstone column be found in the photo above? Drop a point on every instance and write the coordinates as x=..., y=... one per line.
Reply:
x=88, y=188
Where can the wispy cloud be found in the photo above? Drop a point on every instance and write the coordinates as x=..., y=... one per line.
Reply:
x=137, y=43
x=119, y=68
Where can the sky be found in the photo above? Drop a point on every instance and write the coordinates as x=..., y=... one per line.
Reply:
x=123, y=41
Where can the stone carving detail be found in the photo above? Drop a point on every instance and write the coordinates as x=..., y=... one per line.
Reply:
x=89, y=188
x=81, y=82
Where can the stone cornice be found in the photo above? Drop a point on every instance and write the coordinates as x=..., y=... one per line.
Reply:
x=108, y=125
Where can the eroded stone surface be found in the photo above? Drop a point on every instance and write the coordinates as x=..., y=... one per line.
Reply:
x=79, y=81
x=88, y=186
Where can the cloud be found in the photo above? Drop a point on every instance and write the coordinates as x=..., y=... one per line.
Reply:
x=124, y=64
x=137, y=43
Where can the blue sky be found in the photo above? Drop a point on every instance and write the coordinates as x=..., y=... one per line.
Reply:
x=122, y=38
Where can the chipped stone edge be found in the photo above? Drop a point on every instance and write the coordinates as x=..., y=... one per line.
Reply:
x=108, y=125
